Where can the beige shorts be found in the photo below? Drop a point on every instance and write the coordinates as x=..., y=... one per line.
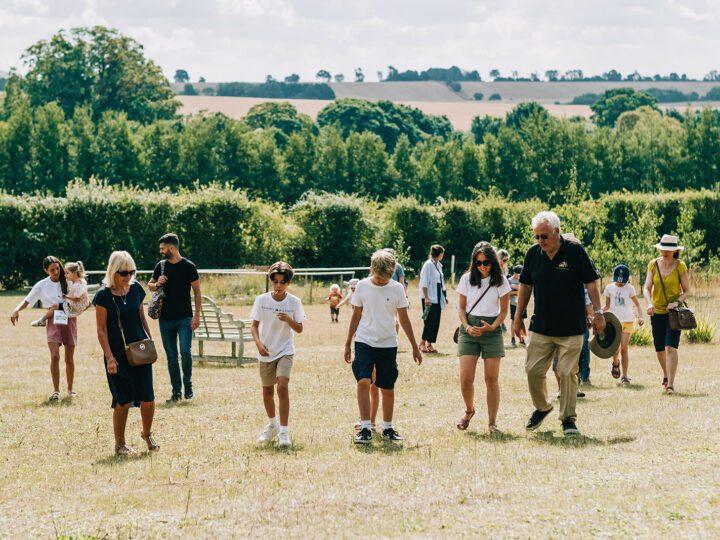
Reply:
x=270, y=371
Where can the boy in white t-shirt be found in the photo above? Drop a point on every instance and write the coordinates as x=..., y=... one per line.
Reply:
x=376, y=301
x=618, y=296
x=276, y=315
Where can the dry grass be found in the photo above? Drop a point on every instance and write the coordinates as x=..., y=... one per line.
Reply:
x=646, y=465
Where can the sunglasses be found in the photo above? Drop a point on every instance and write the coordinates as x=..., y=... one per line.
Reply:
x=126, y=273
x=542, y=236
x=483, y=263
x=279, y=282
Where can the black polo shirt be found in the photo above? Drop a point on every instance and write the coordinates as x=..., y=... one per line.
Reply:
x=558, y=288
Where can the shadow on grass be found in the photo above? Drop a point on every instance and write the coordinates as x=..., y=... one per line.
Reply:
x=632, y=386
x=385, y=447
x=113, y=459
x=578, y=441
x=492, y=437
x=176, y=404
x=64, y=402
x=688, y=394
x=274, y=448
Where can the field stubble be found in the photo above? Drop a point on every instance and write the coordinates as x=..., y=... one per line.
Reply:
x=646, y=464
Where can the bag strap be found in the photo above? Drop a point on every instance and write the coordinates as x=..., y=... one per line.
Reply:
x=117, y=310
x=662, y=282
x=478, y=300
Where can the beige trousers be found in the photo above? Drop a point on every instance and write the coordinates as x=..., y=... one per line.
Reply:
x=540, y=351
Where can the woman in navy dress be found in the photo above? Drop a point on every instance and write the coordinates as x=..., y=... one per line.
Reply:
x=129, y=386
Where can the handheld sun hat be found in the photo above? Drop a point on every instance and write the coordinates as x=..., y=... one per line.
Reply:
x=668, y=242
x=604, y=345
x=353, y=282
x=621, y=273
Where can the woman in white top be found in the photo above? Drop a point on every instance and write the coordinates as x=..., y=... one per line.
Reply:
x=483, y=299
x=433, y=297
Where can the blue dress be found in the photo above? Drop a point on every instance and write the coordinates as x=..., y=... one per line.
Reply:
x=130, y=384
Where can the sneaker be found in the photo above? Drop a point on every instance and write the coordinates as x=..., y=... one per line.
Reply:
x=625, y=381
x=269, y=433
x=284, y=439
x=669, y=390
x=390, y=434
x=174, y=398
x=536, y=419
x=39, y=322
x=72, y=394
x=55, y=396
x=580, y=394
x=125, y=450
x=189, y=394
x=585, y=382
x=512, y=343
x=364, y=436
x=373, y=427
x=569, y=427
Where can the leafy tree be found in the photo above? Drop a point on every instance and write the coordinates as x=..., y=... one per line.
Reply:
x=495, y=97
x=189, y=90
x=713, y=75
x=201, y=79
x=116, y=149
x=81, y=144
x=281, y=116
x=181, y=76
x=49, y=143
x=292, y=79
x=100, y=68
x=208, y=91
x=552, y=75
x=323, y=75
x=339, y=77
x=483, y=125
x=494, y=73
x=477, y=96
x=519, y=113
x=359, y=75
x=612, y=103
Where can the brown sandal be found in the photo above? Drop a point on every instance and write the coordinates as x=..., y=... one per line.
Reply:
x=150, y=441
x=464, y=422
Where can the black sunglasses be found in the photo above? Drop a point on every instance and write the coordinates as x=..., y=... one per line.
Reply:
x=483, y=263
x=126, y=273
x=542, y=236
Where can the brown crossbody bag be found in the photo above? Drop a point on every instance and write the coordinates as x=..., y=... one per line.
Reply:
x=682, y=317
x=139, y=353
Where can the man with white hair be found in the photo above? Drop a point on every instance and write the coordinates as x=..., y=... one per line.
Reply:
x=555, y=270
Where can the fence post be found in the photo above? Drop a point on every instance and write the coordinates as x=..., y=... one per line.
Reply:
x=452, y=271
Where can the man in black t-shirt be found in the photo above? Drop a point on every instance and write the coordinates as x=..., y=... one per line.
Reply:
x=177, y=275
x=555, y=270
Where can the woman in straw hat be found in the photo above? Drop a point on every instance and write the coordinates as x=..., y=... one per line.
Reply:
x=668, y=271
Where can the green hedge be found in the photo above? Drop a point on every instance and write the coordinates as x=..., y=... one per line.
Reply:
x=223, y=228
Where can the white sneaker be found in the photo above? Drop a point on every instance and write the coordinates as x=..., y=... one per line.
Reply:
x=284, y=439
x=39, y=322
x=269, y=433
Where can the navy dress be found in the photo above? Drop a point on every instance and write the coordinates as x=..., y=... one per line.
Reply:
x=130, y=384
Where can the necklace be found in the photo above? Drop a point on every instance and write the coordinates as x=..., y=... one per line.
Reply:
x=123, y=297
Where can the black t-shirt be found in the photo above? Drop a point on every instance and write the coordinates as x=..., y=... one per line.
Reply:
x=558, y=288
x=129, y=308
x=177, y=289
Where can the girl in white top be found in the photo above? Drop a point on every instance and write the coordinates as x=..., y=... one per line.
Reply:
x=483, y=300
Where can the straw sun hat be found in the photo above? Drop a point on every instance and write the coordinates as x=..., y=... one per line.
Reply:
x=668, y=242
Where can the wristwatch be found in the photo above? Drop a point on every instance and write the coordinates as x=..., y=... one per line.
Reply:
x=598, y=312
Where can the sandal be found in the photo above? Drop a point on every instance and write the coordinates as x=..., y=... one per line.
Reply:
x=669, y=390
x=432, y=350
x=55, y=396
x=493, y=429
x=464, y=422
x=615, y=371
x=124, y=450
x=664, y=383
x=150, y=441
x=423, y=348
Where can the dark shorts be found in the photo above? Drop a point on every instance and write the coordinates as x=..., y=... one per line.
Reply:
x=513, y=309
x=383, y=359
x=334, y=311
x=663, y=336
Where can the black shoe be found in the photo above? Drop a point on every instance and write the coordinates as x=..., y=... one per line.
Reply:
x=536, y=419
x=390, y=434
x=189, y=394
x=364, y=436
x=569, y=427
x=580, y=394
x=174, y=398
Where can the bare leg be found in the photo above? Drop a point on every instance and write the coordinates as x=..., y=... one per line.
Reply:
x=662, y=360
x=55, y=365
x=269, y=400
x=492, y=372
x=374, y=402
x=120, y=415
x=388, y=404
x=147, y=413
x=671, y=356
x=283, y=400
x=363, y=398
x=70, y=366
x=625, y=353
x=468, y=365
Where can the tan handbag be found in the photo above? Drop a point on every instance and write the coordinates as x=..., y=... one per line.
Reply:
x=138, y=353
x=682, y=317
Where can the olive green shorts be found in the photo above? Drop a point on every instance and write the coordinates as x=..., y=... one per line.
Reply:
x=489, y=345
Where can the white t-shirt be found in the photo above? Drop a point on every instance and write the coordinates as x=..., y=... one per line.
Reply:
x=620, y=301
x=47, y=291
x=379, y=305
x=276, y=335
x=489, y=306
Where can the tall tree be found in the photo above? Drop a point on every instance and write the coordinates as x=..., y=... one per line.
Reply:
x=323, y=75
x=181, y=76
x=608, y=108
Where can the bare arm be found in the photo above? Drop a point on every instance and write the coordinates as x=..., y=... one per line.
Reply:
x=145, y=324
x=524, y=293
x=15, y=315
x=255, y=330
x=407, y=328
x=462, y=308
x=102, y=333
x=296, y=326
x=504, y=308
x=647, y=292
x=354, y=322
x=594, y=294
x=635, y=301
x=195, y=324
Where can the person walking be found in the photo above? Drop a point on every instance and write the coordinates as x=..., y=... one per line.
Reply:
x=666, y=286
x=433, y=297
x=177, y=275
x=120, y=302
x=554, y=271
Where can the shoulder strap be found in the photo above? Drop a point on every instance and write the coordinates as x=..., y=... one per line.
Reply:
x=162, y=267
x=117, y=310
x=481, y=297
x=662, y=282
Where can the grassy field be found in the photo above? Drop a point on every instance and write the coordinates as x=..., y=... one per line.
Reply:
x=646, y=465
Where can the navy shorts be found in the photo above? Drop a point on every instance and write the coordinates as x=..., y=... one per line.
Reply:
x=383, y=359
x=663, y=336
x=513, y=309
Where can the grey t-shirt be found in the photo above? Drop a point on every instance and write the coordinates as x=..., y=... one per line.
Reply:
x=513, y=298
x=398, y=273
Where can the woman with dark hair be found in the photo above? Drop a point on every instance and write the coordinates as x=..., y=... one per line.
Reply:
x=483, y=299
x=50, y=292
x=433, y=297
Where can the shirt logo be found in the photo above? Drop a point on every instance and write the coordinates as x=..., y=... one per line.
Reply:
x=563, y=266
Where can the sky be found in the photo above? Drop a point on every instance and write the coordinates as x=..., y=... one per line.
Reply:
x=245, y=40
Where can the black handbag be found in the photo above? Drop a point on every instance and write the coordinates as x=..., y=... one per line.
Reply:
x=681, y=317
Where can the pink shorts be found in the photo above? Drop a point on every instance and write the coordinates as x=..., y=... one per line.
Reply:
x=63, y=334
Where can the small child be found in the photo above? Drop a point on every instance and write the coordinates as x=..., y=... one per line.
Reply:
x=618, y=296
x=376, y=301
x=77, y=299
x=334, y=297
x=276, y=315
x=514, y=281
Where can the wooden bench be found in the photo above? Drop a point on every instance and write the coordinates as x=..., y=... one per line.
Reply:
x=216, y=325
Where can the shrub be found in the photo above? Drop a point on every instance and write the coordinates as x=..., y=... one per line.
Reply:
x=704, y=333
x=642, y=337
x=477, y=96
x=495, y=97
x=415, y=223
